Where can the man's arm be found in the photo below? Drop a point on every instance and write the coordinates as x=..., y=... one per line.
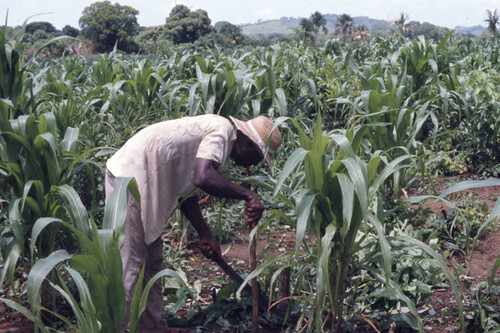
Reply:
x=209, y=246
x=209, y=180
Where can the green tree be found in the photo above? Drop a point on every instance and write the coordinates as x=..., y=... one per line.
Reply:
x=428, y=30
x=44, y=26
x=309, y=28
x=307, y=31
x=492, y=20
x=153, y=40
x=218, y=25
x=70, y=31
x=402, y=23
x=344, y=25
x=232, y=34
x=319, y=23
x=106, y=25
x=186, y=26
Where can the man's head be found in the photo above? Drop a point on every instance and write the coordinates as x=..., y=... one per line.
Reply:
x=256, y=141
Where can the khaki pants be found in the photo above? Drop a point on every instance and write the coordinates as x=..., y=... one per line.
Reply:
x=135, y=253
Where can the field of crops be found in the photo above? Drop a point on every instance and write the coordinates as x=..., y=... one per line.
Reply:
x=363, y=125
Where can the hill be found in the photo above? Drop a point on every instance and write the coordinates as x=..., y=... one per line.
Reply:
x=287, y=25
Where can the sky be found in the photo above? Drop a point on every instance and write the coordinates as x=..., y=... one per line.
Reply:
x=446, y=13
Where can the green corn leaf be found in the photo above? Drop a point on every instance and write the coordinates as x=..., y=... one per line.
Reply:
x=26, y=190
x=494, y=215
x=444, y=40
x=48, y=123
x=385, y=173
x=469, y=184
x=116, y=207
x=50, y=155
x=76, y=209
x=305, y=142
x=491, y=278
x=92, y=247
x=401, y=295
x=135, y=302
x=40, y=271
x=295, y=159
x=434, y=65
x=160, y=274
x=347, y=191
x=70, y=141
x=116, y=290
x=305, y=200
x=273, y=262
x=358, y=174
x=90, y=265
x=345, y=145
x=324, y=206
x=372, y=166
x=86, y=315
x=384, y=245
x=281, y=102
x=315, y=165
x=39, y=225
x=13, y=252
x=271, y=81
x=323, y=273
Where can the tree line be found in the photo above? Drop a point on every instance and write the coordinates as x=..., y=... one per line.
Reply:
x=104, y=26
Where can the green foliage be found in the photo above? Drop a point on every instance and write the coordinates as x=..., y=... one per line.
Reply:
x=414, y=29
x=14, y=81
x=70, y=31
x=232, y=34
x=186, y=26
x=95, y=269
x=101, y=295
x=310, y=28
x=108, y=25
x=493, y=20
x=34, y=162
x=46, y=27
x=339, y=224
x=469, y=218
x=154, y=41
x=384, y=105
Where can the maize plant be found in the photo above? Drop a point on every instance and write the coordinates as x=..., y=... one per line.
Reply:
x=96, y=269
x=14, y=81
x=340, y=204
x=33, y=162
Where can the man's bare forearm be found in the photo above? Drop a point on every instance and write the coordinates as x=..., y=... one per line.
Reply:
x=213, y=183
x=192, y=211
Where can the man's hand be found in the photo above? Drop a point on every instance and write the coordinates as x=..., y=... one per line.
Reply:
x=254, y=209
x=210, y=247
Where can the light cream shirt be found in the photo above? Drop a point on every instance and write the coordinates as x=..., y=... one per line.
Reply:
x=162, y=158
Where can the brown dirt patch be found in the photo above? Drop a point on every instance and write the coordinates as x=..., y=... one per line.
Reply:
x=482, y=259
x=13, y=322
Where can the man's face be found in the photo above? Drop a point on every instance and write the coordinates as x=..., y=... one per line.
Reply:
x=245, y=152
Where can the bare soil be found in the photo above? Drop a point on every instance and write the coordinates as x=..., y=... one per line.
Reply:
x=481, y=264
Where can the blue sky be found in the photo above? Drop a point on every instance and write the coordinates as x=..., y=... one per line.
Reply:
x=448, y=13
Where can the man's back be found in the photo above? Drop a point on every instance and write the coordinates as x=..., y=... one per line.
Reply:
x=162, y=158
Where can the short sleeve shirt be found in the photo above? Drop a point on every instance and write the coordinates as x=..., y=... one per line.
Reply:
x=162, y=159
